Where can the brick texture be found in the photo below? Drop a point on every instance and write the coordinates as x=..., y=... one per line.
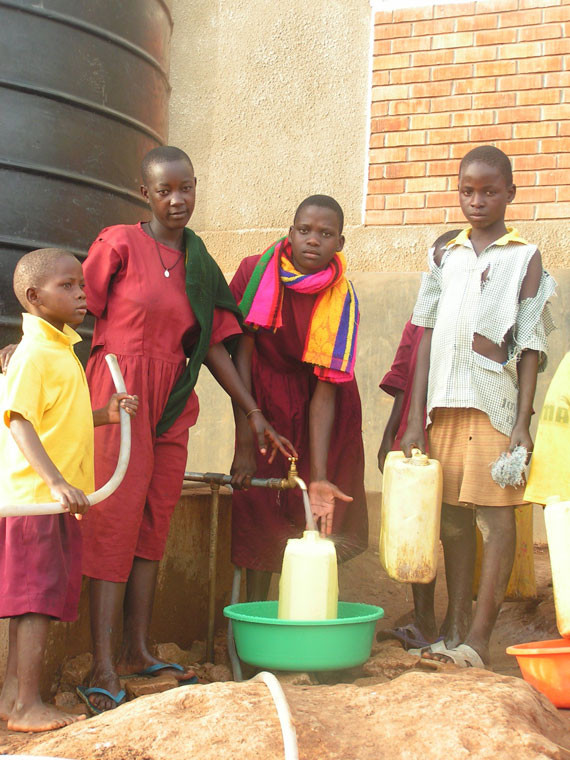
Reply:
x=449, y=77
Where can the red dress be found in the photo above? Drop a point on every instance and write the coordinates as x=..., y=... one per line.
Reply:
x=146, y=320
x=263, y=520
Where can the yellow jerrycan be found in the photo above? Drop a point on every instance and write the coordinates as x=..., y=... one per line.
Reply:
x=410, y=518
x=522, y=583
x=308, y=588
x=557, y=518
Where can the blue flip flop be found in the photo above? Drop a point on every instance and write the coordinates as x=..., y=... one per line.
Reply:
x=158, y=667
x=84, y=692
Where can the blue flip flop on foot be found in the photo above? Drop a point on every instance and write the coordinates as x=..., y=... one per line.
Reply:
x=85, y=692
x=158, y=667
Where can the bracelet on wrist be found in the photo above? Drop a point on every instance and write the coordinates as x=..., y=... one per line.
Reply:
x=253, y=412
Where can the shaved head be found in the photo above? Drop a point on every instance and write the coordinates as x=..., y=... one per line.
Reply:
x=33, y=269
x=322, y=201
x=488, y=154
x=165, y=154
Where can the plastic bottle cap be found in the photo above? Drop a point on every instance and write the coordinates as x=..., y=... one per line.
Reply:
x=310, y=535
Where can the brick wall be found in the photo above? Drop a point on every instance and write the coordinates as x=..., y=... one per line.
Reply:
x=449, y=77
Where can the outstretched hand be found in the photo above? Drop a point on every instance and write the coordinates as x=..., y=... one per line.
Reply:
x=322, y=494
x=266, y=436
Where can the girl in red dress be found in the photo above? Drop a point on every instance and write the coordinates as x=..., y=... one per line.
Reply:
x=297, y=358
x=159, y=298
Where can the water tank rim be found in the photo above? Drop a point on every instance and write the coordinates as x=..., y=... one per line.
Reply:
x=68, y=176
x=88, y=105
x=29, y=244
x=89, y=29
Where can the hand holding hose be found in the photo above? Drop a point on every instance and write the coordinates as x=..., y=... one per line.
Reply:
x=110, y=414
x=72, y=499
x=20, y=510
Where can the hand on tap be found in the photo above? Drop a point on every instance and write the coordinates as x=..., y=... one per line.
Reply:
x=265, y=435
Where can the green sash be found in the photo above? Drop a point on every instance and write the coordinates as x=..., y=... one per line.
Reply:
x=206, y=289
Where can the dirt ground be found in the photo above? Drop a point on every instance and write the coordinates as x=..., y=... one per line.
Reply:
x=363, y=580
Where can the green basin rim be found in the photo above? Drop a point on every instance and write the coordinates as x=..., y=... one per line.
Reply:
x=364, y=613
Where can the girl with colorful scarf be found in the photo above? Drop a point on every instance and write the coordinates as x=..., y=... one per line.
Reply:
x=297, y=359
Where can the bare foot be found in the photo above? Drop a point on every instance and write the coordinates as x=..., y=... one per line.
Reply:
x=8, y=697
x=40, y=717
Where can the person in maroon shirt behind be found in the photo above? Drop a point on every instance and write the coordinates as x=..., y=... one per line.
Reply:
x=397, y=382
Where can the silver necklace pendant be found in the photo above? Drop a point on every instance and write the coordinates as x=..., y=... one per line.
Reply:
x=166, y=273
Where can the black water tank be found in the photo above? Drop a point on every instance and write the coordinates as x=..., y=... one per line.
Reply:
x=83, y=96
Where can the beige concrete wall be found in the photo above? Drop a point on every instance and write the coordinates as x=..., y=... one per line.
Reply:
x=271, y=101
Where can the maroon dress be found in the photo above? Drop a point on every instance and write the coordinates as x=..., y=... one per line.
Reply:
x=147, y=321
x=262, y=519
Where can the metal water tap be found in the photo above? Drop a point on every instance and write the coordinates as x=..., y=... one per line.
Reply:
x=293, y=480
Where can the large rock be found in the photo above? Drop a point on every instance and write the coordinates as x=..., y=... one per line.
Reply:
x=389, y=661
x=463, y=714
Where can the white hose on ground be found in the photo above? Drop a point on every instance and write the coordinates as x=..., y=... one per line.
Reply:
x=55, y=508
x=284, y=713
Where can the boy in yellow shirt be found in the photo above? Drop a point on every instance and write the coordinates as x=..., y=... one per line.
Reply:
x=47, y=455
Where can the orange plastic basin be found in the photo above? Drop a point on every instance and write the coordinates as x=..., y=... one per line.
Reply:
x=546, y=665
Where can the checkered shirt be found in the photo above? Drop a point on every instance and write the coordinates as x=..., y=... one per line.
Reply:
x=456, y=302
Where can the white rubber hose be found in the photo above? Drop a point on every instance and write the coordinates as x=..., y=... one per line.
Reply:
x=55, y=508
x=283, y=712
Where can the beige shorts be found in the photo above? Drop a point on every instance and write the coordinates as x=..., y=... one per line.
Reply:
x=466, y=444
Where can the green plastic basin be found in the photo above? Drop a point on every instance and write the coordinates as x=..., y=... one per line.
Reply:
x=264, y=640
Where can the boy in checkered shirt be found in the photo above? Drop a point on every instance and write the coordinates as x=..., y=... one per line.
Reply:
x=484, y=307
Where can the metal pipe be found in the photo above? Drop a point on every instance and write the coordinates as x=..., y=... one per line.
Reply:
x=234, y=659
x=55, y=508
x=212, y=567
x=226, y=480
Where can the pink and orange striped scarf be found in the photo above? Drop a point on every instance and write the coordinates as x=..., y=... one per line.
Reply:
x=330, y=344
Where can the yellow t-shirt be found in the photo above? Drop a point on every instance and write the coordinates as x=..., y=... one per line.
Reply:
x=549, y=469
x=46, y=384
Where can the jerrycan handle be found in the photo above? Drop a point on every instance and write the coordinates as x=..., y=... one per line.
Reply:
x=419, y=459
